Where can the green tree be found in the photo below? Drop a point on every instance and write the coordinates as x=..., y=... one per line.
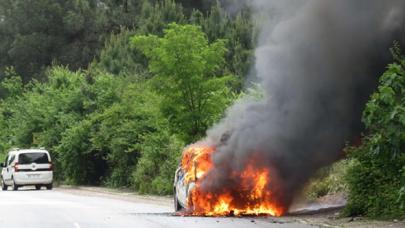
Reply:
x=122, y=13
x=135, y=106
x=185, y=66
x=76, y=157
x=12, y=89
x=160, y=154
x=119, y=130
x=377, y=178
x=155, y=17
x=36, y=33
x=120, y=58
x=238, y=30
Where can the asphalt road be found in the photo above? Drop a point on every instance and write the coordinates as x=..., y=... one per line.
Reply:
x=62, y=208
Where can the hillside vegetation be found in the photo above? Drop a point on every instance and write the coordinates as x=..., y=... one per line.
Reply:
x=118, y=113
x=115, y=90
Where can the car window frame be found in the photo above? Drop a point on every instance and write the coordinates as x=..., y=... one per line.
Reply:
x=6, y=161
x=28, y=154
x=11, y=159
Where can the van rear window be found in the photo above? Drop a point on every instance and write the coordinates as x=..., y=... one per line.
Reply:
x=28, y=158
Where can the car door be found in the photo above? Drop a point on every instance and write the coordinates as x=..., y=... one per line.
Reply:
x=181, y=187
x=9, y=169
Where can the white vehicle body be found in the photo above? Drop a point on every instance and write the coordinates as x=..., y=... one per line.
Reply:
x=181, y=190
x=27, y=167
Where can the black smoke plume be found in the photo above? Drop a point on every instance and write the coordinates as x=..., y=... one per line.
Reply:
x=318, y=62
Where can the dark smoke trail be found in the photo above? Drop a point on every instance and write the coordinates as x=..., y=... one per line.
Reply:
x=317, y=65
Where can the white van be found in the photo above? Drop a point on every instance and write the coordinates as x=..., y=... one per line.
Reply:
x=27, y=167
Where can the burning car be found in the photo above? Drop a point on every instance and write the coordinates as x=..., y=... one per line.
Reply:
x=195, y=163
x=199, y=191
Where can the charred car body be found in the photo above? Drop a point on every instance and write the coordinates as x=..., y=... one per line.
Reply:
x=195, y=163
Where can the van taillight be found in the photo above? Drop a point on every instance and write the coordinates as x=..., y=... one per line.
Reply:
x=51, y=166
x=16, y=167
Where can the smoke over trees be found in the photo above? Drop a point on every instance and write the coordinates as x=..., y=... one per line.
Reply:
x=316, y=61
x=317, y=64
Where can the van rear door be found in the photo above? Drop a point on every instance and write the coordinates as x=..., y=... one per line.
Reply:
x=34, y=161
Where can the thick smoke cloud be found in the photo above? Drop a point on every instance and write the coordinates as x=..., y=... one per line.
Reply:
x=318, y=62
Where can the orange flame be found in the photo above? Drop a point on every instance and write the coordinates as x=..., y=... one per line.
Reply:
x=196, y=162
x=251, y=196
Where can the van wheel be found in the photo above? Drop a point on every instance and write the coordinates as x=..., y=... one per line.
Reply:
x=49, y=186
x=3, y=185
x=38, y=187
x=14, y=186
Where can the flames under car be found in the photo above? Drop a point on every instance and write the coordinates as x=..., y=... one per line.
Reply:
x=250, y=193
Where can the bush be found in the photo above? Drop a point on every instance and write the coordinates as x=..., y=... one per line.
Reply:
x=159, y=159
x=76, y=157
x=374, y=185
x=377, y=176
x=120, y=131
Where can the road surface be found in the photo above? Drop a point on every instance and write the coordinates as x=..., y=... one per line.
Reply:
x=62, y=208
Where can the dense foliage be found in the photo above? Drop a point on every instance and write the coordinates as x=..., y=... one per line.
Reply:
x=377, y=178
x=97, y=128
x=185, y=68
x=117, y=114
x=36, y=34
x=115, y=90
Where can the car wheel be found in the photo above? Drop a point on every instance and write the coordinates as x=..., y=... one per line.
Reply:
x=3, y=185
x=14, y=186
x=49, y=186
x=38, y=187
x=177, y=205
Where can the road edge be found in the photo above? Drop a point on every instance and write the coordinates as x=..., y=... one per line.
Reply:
x=118, y=194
